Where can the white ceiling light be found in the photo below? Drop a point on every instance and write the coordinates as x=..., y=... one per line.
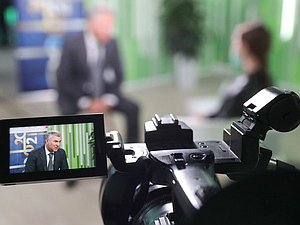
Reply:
x=287, y=19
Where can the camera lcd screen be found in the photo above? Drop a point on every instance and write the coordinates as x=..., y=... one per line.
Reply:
x=52, y=148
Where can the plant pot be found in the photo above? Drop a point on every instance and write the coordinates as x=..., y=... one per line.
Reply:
x=185, y=71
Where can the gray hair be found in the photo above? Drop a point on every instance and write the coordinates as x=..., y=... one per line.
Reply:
x=52, y=133
x=96, y=9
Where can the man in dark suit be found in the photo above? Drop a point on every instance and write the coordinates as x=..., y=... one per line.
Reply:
x=90, y=73
x=48, y=157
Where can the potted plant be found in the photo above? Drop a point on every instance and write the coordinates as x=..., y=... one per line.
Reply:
x=182, y=28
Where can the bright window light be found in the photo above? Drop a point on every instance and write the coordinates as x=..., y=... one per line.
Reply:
x=287, y=19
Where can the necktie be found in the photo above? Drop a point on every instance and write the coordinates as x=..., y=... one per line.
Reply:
x=97, y=68
x=50, y=164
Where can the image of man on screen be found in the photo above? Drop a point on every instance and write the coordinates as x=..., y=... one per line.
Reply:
x=48, y=157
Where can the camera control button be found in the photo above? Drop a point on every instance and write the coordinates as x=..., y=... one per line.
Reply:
x=198, y=156
x=179, y=160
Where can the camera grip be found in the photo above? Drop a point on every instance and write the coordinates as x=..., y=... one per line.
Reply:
x=194, y=184
x=191, y=176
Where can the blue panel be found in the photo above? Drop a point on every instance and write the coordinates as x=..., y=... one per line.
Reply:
x=24, y=10
x=30, y=39
x=32, y=74
x=29, y=10
x=21, y=144
x=32, y=71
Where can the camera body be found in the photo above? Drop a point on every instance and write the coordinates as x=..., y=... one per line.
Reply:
x=169, y=162
x=167, y=179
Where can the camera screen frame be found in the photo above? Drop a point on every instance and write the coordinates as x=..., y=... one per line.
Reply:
x=100, y=169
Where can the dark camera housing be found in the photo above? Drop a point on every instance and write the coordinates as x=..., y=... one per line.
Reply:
x=96, y=149
x=168, y=179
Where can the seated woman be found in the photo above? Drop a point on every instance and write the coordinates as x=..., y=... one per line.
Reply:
x=251, y=43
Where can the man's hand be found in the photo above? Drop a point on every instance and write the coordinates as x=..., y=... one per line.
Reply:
x=98, y=106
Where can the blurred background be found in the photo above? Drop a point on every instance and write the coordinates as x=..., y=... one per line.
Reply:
x=165, y=72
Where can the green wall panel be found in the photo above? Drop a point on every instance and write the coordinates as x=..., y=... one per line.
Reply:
x=221, y=18
x=144, y=55
x=75, y=141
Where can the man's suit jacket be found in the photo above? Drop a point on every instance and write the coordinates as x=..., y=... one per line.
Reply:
x=74, y=75
x=37, y=160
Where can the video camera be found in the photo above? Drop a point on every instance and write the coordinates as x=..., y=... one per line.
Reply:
x=165, y=180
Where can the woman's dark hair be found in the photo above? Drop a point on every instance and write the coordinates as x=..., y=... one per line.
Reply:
x=257, y=38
